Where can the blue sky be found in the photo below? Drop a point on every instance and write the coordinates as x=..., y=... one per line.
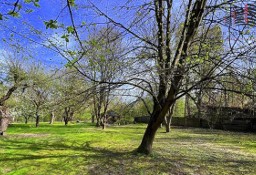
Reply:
x=49, y=9
x=46, y=11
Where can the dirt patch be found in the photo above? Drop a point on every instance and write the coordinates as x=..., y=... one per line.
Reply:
x=238, y=150
x=7, y=170
x=31, y=135
x=228, y=149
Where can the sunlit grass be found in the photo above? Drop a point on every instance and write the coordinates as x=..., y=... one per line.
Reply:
x=83, y=149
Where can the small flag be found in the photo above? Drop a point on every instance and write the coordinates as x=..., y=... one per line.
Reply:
x=246, y=13
x=241, y=15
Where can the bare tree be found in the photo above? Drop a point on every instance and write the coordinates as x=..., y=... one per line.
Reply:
x=173, y=58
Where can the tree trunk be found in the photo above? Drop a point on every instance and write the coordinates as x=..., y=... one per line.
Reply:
x=4, y=119
x=3, y=125
x=93, y=118
x=103, y=123
x=66, y=121
x=66, y=115
x=186, y=110
x=98, y=122
x=71, y=116
x=147, y=141
x=156, y=119
x=168, y=126
x=37, y=120
x=199, y=106
x=161, y=108
x=52, y=117
x=7, y=95
x=169, y=119
x=26, y=120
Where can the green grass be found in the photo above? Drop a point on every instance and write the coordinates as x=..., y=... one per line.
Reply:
x=84, y=149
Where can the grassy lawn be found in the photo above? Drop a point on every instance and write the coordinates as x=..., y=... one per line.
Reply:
x=83, y=149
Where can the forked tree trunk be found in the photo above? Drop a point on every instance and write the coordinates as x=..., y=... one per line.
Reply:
x=66, y=121
x=161, y=108
x=193, y=18
x=149, y=136
x=26, y=120
x=156, y=119
x=65, y=118
x=52, y=117
x=67, y=115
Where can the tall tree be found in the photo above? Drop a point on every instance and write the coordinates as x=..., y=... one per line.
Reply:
x=70, y=94
x=38, y=91
x=167, y=69
x=104, y=62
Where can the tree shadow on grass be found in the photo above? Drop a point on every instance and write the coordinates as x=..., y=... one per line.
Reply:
x=59, y=158
x=208, y=131
x=83, y=158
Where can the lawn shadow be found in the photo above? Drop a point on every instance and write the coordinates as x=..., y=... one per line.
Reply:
x=183, y=151
x=92, y=159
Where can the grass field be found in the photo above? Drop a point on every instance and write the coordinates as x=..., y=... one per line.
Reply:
x=83, y=149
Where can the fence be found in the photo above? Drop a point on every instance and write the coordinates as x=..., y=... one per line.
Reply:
x=239, y=124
